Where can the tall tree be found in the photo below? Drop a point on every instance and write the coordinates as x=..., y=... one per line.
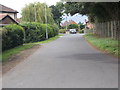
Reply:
x=57, y=11
x=106, y=16
x=95, y=10
x=36, y=12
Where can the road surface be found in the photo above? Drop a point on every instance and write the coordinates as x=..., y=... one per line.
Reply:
x=68, y=62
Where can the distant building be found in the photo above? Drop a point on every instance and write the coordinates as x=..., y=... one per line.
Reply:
x=67, y=23
x=88, y=25
x=7, y=15
x=6, y=19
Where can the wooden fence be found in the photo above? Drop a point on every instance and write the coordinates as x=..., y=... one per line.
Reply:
x=109, y=29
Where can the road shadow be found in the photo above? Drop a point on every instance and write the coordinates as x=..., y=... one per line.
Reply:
x=96, y=57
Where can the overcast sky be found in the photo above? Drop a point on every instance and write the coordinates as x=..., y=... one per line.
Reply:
x=19, y=4
x=76, y=17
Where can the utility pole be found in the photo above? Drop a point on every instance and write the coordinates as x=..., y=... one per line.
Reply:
x=66, y=22
x=35, y=12
x=46, y=21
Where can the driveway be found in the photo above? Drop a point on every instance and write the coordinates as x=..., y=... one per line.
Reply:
x=68, y=62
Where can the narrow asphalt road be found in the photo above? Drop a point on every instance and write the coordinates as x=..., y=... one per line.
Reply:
x=68, y=62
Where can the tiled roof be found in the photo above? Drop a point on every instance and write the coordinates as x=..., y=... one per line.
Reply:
x=2, y=16
x=7, y=9
x=68, y=23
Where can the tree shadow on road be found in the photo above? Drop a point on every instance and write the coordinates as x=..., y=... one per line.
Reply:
x=96, y=57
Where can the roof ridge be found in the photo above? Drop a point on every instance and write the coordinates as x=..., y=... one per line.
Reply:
x=7, y=9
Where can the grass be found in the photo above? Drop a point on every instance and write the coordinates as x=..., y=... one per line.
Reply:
x=8, y=53
x=105, y=44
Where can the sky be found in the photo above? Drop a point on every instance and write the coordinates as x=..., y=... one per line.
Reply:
x=76, y=17
x=19, y=4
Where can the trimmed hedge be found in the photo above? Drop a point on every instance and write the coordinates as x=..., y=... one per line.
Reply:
x=73, y=26
x=81, y=31
x=12, y=36
x=62, y=31
x=35, y=32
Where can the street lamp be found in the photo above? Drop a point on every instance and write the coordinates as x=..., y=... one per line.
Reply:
x=46, y=20
x=66, y=22
x=35, y=11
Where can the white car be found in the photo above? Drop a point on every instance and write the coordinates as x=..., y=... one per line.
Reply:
x=73, y=31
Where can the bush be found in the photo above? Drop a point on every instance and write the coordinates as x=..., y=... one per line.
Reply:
x=12, y=36
x=73, y=26
x=81, y=31
x=35, y=32
x=55, y=28
x=62, y=31
x=82, y=26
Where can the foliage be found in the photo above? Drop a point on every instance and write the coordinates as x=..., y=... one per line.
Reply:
x=54, y=28
x=35, y=32
x=62, y=31
x=73, y=26
x=81, y=31
x=105, y=44
x=12, y=36
x=95, y=10
x=57, y=11
x=81, y=25
x=35, y=12
x=47, y=41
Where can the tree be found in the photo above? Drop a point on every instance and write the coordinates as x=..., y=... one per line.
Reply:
x=95, y=10
x=73, y=26
x=81, y=25
x=105, y=15
x=57, y=12
x=35, y=12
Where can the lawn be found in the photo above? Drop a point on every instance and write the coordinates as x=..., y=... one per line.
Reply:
x=105, y=44
x=8, y=53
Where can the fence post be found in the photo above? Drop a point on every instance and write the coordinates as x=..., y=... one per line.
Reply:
x=112, y=30
x=106, y=27
x=118, y=30
x=109, y=30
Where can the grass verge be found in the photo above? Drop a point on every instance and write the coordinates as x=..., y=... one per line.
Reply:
x=105, y=44
x=8, y=53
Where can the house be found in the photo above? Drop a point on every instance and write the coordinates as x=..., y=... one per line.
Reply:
x=89, y=25
x=7, y=15
x=6, y=19
x=67, y=23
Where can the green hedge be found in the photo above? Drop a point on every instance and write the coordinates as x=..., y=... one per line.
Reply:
x=62, y=31
x=35, y=32
x=81, y=31
x=12, y=36
x=73, y=26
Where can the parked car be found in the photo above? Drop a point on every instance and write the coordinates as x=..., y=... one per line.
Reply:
x=73, y=31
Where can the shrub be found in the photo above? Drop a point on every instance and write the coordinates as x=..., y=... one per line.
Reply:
x=12, y=36
x=52, y=30
x=81, y=31
x=62, y=31
x=73, y=26
x=35, y=32
x=55, y=28
x=82, y=26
